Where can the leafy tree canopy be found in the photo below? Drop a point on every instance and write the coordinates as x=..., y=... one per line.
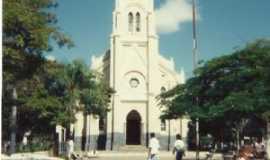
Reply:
x=235, y=86
x=49, y=93
x=55, y=93
x=28, y=27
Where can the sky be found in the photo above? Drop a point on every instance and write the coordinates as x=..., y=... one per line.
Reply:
x=223, y=26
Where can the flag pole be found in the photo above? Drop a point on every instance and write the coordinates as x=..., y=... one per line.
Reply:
x=194, y=34
x=195, y=63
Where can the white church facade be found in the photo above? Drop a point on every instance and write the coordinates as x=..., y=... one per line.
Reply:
x=137, y=72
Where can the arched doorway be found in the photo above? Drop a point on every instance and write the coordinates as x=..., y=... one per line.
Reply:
x=133, y=128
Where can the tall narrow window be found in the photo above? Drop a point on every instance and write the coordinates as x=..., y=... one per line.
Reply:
x=138, y=22
x=130, y=22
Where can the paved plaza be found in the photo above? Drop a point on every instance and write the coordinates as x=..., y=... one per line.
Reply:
x=107, y=155
x=143, y=156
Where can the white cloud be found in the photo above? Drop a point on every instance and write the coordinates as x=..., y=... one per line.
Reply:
x=50, y=58
x=171, y=14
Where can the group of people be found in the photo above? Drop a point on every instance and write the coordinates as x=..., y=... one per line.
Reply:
x=178, y=149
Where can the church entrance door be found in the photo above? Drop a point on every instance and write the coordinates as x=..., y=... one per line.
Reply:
x=133, y=128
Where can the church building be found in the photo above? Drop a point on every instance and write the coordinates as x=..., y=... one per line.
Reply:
x=138, y=73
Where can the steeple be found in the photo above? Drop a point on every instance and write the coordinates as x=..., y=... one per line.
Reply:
x=146, y=4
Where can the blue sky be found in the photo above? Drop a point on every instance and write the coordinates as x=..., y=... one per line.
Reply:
x=224, y=25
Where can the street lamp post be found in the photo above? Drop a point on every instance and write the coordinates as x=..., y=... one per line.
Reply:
x=194, y=68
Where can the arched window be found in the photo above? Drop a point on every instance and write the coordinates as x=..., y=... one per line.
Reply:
x=130, y=22
x=138, y=22
x=163, y=89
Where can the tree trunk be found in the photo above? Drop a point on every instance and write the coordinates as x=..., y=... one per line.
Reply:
x=238, y=138
x=13, y=124
x=13, y=130
x=268, y=140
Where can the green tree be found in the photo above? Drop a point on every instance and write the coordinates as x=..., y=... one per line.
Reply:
x=45, y=102
x=85, y=87
x=55, y=93
x=47, y=91
x=231, y=88
x=28, y=27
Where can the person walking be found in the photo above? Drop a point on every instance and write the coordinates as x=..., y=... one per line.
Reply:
x=179, y=147
x=153, y=147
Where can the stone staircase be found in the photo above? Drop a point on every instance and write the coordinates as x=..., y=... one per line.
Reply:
x=133, y=148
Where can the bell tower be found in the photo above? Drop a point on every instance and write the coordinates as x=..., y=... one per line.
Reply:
x=133, y=17
x=134, y=70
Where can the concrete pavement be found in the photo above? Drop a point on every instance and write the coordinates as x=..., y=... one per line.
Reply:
x=29, y=156
x=109, y=155
x=143, y=156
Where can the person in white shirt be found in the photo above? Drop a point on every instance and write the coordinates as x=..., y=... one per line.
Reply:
x=179, y=147
x=153, y=147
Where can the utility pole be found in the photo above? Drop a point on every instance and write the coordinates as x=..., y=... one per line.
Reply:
x=195, y=63
x=13, y=120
